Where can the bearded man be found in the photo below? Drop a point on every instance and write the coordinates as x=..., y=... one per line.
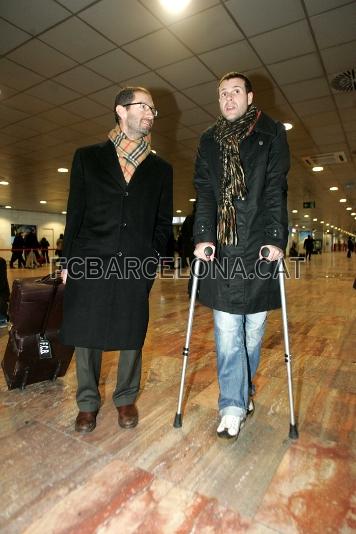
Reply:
x=119, y=219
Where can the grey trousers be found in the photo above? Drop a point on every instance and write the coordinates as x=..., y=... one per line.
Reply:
x=88, y=362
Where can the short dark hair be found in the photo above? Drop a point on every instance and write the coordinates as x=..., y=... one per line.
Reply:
x=233, y=74
x=126, y=96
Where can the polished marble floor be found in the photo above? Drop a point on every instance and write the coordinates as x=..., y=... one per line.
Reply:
x=156, y=479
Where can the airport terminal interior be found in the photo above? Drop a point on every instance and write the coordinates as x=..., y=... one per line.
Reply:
x=62, y=63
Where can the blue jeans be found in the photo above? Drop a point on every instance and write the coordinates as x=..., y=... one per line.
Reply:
x=238, y=345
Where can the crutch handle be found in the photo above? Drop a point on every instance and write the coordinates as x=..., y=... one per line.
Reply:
x=265, y=252
x=208, y=251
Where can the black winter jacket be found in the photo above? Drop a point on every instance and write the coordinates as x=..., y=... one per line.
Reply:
x=237, y=282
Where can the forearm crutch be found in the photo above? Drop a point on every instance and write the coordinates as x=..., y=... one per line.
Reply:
x=196, y=268
x=293, y=430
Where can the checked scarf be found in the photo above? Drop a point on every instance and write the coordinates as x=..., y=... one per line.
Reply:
x=131, y=152
x=232, y=183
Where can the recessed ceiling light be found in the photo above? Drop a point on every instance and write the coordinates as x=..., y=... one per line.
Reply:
x=343, y=200
x=3, y=182
x=315, y=219
x=334, y=188
x=353, y=213
x=192, y=200
x=317, y=169
x=153, y=151
x=303, y=226
x=288, y=126
x=293, y=229
x=8, y=207
x=332, y=226
x=297, y=224
x=64, y=213
x=327, y=224
x=306, y=216
x=348, y=209
x=178, y=211
x=294, y=211
x=175, y=6
x=321, y=222
x=43, y=201
x=62, y=169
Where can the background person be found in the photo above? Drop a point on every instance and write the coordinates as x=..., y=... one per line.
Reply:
x=309, y=247
x=18, y=246
x=44, y=244
x=240, y=178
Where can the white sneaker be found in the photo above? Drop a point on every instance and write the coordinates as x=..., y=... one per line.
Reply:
x=230, y=426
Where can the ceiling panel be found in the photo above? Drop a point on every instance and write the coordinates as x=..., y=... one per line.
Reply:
x=318, y=6
x=10, y=37
x=150, y=51
x=9, y=115
x=41, y=58
x=297, y=69
x=235, y=57
x=307, y=89
x=206, y=30
x=75, y=39
x=284, y=43
x=186, y=73
x=34, y=16
x=314, y=105
x=327, y=26
x=82, y=80
x=117, y=65
x=256, y=16
x=339, y=58
x=27, y=103
x=108, y=17
x=60, y=116
x=155, y=83
x=85, y=107
x=203, y=94
x=16, y=76
x=75, y=5
x=53, y=92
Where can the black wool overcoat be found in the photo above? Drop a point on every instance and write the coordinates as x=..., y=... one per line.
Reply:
x=237, y=282
x=114, y=235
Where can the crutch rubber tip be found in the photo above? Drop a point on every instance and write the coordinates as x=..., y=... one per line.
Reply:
x=178, y=420
x=293, y=432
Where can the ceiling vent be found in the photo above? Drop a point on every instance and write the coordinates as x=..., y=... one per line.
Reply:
x=330, y=158
x=345, y=81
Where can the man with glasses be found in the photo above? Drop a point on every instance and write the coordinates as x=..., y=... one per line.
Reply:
x=240, y=177
x=119, y=219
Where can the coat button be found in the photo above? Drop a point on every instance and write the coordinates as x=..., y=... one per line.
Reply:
x=260, y=142
x=123, y=225
x=126, y=194
x=119, y=253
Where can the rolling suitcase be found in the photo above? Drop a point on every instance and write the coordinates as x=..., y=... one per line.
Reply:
x=34, y=352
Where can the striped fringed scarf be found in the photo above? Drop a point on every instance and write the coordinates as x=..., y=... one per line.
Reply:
x=232, y=183
x=131, y=152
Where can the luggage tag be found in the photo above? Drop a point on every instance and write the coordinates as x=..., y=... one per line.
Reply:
x=44, y=348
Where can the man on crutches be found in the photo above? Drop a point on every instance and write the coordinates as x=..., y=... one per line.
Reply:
x=241, y=182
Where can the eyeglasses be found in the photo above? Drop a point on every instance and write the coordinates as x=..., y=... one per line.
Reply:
x=143, y=107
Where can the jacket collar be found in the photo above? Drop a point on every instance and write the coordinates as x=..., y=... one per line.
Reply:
x=109, y=160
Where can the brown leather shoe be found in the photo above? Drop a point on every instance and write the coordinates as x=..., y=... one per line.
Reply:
x=128, y=416
x=85, y=422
